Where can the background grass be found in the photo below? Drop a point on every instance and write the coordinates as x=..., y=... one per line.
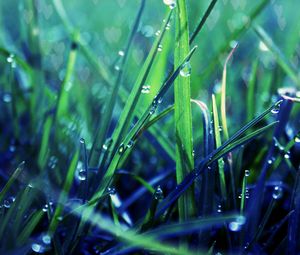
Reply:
x=99, y=138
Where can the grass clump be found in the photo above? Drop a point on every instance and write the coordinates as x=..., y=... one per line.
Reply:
x=135, y=135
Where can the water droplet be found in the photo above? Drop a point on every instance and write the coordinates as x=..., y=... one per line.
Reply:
x=186, y=70
x=219, y=210
x=237, y=224
x=170, y=3
x=82, y=175
x=168, y=26
x=121, y=148
x=10, y=58
x=159, y=48
x=12, y=148
x=52, y=162
x=121, y=53
x=157, y=33
x=270, y=161
x=297, y=139
x=111, y=191
x=158, y=194
x=6, y=98
x=145, y=89
x=247, y=173
x=220, y=128
x=104, y=147
x=37, y=248
x=82, y=141
x=276, y=108
x=117, y=67
x=277, y=192
x=46, y=239
x=287, y=155
x=45, y=208
x=130, y=144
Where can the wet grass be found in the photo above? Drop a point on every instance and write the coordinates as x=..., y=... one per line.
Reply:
x=148, y=138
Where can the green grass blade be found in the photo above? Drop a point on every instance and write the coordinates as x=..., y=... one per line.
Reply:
x=111, y=102
x=281, y=59
x=182, y=108
x=64, y=193
x=203, y=20
x=218, y=144
x=130, y=237
x=251, y=91
x=62, y=104
x=223, y=95
x=130, y=106
x=11, y=180
x=190, y=226
x=42, y=157
x=29, y=227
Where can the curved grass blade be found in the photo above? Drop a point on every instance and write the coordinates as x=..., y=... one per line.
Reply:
x=190, y=226
x=218, y=144
x=234, y=142
x=223, y=94
x=236, y=34
x=130, y=237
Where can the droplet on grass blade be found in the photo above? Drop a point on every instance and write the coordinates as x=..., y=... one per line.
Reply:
x=37, y=248
x=145, y=89
x=159, y=48
x=170, y=3
x=186, y=70
x=6, y=98
x=82, y=175
x=46, y=239
x=277, y=192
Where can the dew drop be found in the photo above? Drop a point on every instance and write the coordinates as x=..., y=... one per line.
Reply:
x=159, y=48
x=121, y=148
x=82, y=141
x=219, y=210
x=158, y=194
x=247, y=173
x=237, y=224
x=7, y=98
x=37, y=248
x=270, y=161
x=45, y=208
x=145, y=89
x=10, y=58
x=287, y=155
x=121, y=53
x=130, y=144
x=186, y=70
x=157, y=33
x=82, y=175
x=168, y=26
x=170, y=3
x=297, y=139
x=111, y=191
x=104, y=147
x=276, y=108
x=46, y=239
x=117, y=67
x=277, y=192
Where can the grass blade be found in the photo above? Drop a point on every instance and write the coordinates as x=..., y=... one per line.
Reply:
x=11, y=180
x=64, y=193
x=281, y=59
x=182, y=108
